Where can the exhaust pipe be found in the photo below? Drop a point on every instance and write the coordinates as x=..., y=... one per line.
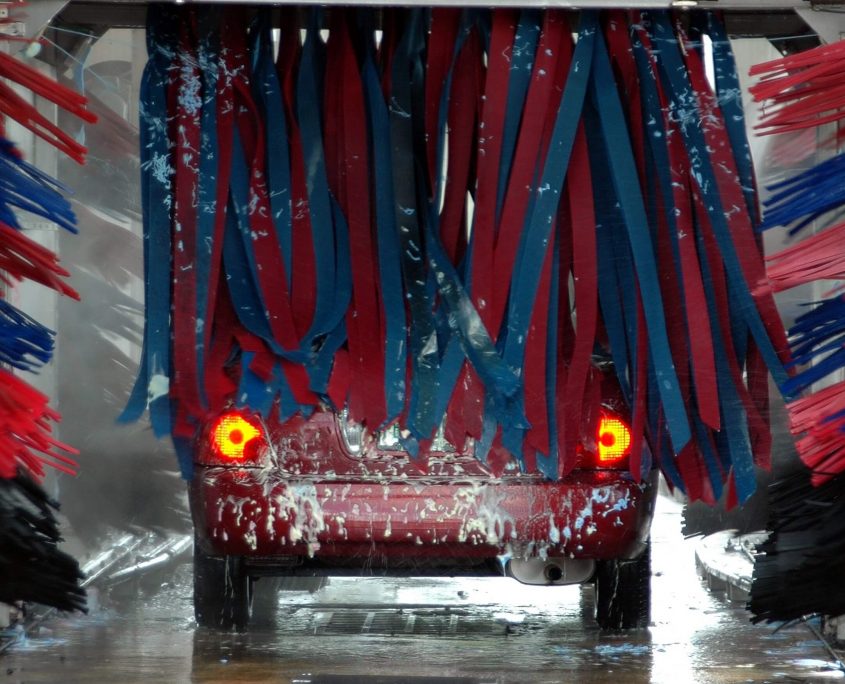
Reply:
x=551, y=570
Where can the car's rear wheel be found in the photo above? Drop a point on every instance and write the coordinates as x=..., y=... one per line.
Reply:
x=222, y=591
x=265, y=594
x=623, y=592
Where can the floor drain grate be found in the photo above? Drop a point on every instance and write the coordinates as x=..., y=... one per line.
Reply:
x=391, y=622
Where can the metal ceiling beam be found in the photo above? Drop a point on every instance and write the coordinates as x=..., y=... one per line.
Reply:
x=747, y=5
x=30, y=20
x=744, y=18
x=830, y=26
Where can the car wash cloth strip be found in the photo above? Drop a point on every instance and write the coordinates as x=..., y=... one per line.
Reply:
x=329, y=228
x=477, y=325
x=387, y=242
x=442, y=230
x=747, y=363
x=349, y=172
x=461, y=101
x=479, y=277
x=720, y=188
x=670, y=54
x=152, y=387
x=622, y=180
x=526, y=156
x=539, y=255
x=531, y=142
x=459, y=108
x=186, y=91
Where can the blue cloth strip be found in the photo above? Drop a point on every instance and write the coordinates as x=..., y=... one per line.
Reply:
x=736, y=448
x=410, y=217
x=548, y=464
x=678, y=88
x=246, y=298
x=431, y=325
x=522, y=63
x=151, y=389
x=388, y=245
x=207, y=55
x=729, y=96
x=253, y=392
x=267, y=92
x=627, y=187
x=239, y=208
x=332, y=295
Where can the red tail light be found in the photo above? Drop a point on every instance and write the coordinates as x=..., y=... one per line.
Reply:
x=613, y=443
x=236, y=438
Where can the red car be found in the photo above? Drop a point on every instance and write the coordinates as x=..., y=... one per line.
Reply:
x=322, y=496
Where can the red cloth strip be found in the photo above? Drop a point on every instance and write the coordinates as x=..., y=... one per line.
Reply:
x=698, y=331
x=730, y=191
x=534, y=368
x=572, y=399
x=219, y=385
x=271, y=270
x=463, y=132
x=364, y=322
x=186, y=93
x=619, y=45
x=489, y=153
x=225, y=130
x=443, y=33
x=484, y=219
x=554, y=52
x=303, y=268
x=757, y=425
x=464, y=412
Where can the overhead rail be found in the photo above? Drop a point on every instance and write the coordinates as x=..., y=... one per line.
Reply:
x=756, y=5
x=743, y=18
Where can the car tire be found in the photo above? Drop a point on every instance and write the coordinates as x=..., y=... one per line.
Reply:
x=265, y=594
x=623, y=592
x=265, y=601
x=222, y=591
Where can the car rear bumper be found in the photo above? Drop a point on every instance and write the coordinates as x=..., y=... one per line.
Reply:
x=260, y=514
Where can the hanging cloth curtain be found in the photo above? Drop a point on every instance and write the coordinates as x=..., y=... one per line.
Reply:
x=443, y=227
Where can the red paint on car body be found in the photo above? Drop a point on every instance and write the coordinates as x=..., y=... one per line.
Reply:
x=307, y=495
x=239, y=511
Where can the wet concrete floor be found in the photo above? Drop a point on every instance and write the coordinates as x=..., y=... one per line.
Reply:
x=461, y=631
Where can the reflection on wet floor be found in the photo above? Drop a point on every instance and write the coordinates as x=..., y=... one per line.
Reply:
x=430, y=631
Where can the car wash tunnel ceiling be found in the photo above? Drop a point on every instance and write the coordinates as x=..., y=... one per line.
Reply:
x=789, y=24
